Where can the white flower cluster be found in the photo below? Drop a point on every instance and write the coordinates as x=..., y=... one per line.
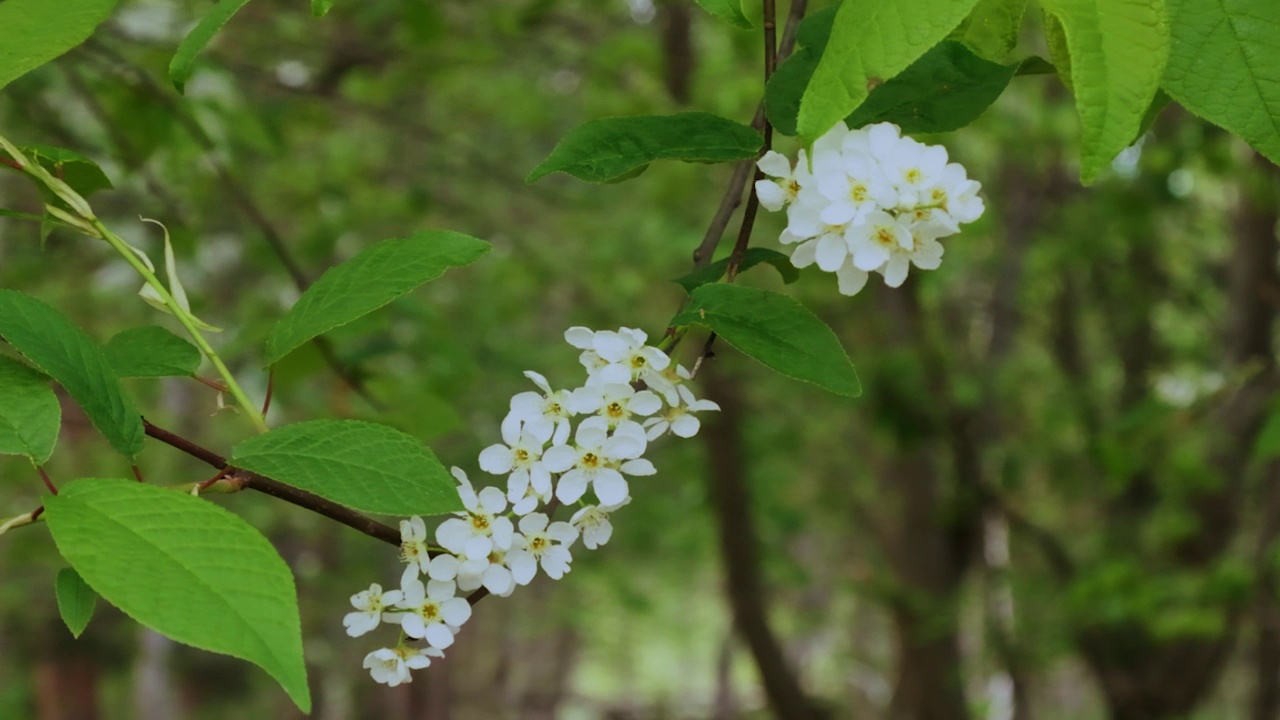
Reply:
x=869, y=200
x=501, y=539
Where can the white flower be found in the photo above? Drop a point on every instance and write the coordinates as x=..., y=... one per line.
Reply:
x=617, y=402
x=413, y=543
x=540, y=543
x=529, y=501
x=495, y=576
x=785, y=185
x=849, y=279
x=956, y=194
x=804, y=219
x=853, y=188
x=925, y=253
x=914, y=168
x=521, y=457
x=471, y=563
x=624, y=354
x=666, y=382
x=873, y=240
x=369, y=605
x=545, y=415
x=593, y=522
x=391, y=667
x=480, y=527
x=679, y=418
x=471, y=573
x=831, y=144
x=591, y=459
x=430, y=611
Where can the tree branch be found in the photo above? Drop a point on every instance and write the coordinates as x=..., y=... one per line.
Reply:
x=289, y=494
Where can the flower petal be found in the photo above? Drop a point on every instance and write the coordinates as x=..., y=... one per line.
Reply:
x=579, y=337
x=456, y=611
x=572, y=486
x=610, y=487
x=496, y=459
x=774, y=164
x=439, y=635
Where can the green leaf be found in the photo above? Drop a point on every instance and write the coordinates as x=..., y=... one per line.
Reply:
x=753, y=257
x=76, y=600
x=728, y=10
x=30, y=416
x=946, y=89
x=604, y=150
x=1118, y=50
x=775, y=330
x=183, y=62
x=64, y=352
x=5, y=212
x=992, y=28
x=785, y=89
x=320, y=8
x=1224, y=66
x=368, y=281
x=1055, y=39
x=871, y=41
x=33, y=32
x=365, y=466
x=152, y=351
x=186, y=568
x=82, y=174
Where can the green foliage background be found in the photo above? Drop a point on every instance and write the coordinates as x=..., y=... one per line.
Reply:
x=389, y=117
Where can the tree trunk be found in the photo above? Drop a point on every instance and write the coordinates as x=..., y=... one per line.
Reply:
x=739, y=547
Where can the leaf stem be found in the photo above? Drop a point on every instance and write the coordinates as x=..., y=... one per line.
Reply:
x=184, y=317
x=48, y=483
x=89, y=224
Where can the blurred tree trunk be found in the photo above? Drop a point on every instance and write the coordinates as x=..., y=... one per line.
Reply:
x=739, y=547
x=929, y=542
x=675, y=20
x=1266, y=614
x=939, y=471
x=1145, y=677
x=724, y=705
x=66, y=677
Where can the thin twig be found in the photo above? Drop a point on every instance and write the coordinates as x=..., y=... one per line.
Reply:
x=289, y=494
x=753, y=200
x=47, y=482
x=732, y=197
x=137, y=473
x=271, y=384
x=211, y=383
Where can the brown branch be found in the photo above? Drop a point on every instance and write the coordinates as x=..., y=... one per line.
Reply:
x=738, y=181
x=289, y=494
x=48, y=483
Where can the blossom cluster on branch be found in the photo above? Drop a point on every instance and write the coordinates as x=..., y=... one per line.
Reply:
x=868, y=200
x=502, y=538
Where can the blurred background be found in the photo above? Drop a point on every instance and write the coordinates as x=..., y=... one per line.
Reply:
x=1054, y=500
